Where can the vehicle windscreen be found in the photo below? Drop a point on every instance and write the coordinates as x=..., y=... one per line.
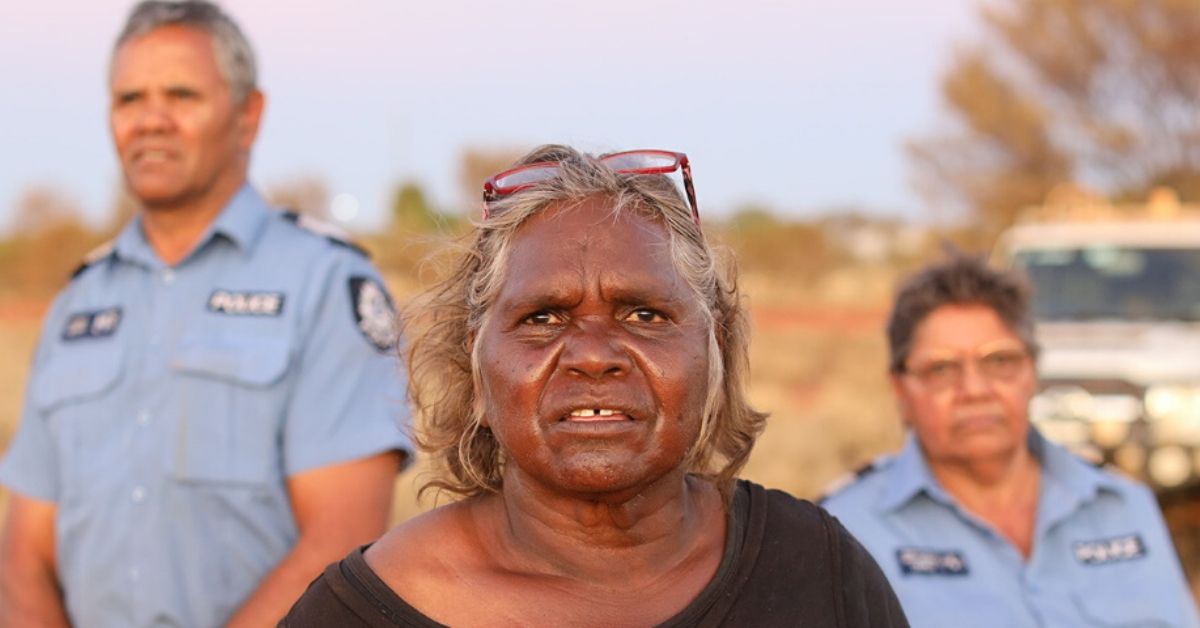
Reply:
x=1113, y=282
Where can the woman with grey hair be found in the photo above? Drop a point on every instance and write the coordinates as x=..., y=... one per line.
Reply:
x=979, y=521
x=579, y=378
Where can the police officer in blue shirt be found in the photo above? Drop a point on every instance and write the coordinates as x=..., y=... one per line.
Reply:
x=215, y=411
x=979, y=521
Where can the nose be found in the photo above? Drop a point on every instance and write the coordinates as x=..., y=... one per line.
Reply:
x=974, y=383
x=592, y=350
x=154, y=117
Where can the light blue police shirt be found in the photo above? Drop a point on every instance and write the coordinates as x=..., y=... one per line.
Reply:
x=167, y=406
x=1101, y=554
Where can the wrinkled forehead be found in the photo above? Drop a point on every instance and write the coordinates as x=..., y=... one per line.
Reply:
x=169, y=52
x=591, y=239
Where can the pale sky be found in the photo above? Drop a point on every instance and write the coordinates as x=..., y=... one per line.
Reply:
x=800, y=105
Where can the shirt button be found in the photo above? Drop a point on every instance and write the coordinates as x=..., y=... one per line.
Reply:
x=138, y=494
x=143, y=418
x=168, y=276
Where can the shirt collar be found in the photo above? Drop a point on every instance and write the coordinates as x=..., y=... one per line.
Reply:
x=909, y=477
x=910, y=474
x=241, y=222
x=1077, y=478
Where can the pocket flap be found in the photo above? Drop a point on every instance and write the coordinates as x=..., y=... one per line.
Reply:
x=248, y=360
x=67, y=377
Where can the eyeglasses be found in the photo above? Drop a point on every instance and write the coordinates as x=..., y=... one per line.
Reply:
x=643, y=161
x=940, y=374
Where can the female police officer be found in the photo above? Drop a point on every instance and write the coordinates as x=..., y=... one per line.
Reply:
x=979, y=521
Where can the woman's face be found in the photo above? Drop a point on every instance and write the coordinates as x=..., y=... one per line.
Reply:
x=594, y=356
x=967, y=385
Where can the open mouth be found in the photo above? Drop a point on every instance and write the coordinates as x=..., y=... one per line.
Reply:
x=597, y=414
x=150, y=156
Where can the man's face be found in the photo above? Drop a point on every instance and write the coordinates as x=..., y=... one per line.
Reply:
x=178, y=132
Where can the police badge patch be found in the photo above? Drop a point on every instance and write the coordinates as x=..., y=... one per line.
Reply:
x=374, y=313
x=246, y=303
x=1115, y=550
x=925, y=562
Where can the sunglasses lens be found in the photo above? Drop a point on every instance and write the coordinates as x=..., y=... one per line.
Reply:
x=641, y=160
x=524, y=177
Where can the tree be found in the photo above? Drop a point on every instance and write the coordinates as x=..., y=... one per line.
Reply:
x=1101, y=93
x=475, y=165
x=48, y=239
x=411, y=211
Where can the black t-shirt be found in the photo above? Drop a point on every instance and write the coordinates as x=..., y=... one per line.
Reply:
x=786, y=563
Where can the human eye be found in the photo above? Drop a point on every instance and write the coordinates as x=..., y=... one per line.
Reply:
x=646, y=315
x=183, y=93
x=1002, y=363
x=542, y=317
x=126, y=98
x=939, y=372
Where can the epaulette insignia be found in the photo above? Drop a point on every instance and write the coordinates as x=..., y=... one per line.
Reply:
x=93, y=256
x=846, y=479
x=327, y=230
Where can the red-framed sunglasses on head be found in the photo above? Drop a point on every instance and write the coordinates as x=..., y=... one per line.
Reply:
x=644, y=161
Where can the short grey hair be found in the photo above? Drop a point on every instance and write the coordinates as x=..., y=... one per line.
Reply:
x=961, y=279
x=443, y=362
x=234, y=56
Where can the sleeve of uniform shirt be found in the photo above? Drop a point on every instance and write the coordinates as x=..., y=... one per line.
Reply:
x=30, y=466
x=1176, y=596
x=348, y=399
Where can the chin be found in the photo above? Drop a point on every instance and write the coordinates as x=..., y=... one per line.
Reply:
x=153, y=199
x=598, y=476
x=154, y=190
x=987, y=446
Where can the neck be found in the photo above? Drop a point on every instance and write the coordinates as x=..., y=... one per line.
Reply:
x=1002, y=491
x=604, y=540
x=174, y=228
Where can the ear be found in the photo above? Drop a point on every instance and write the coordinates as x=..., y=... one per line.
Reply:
x=901, y=395
x=250, y=118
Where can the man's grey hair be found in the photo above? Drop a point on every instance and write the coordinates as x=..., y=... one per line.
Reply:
x=234, y=56
x=959, y=280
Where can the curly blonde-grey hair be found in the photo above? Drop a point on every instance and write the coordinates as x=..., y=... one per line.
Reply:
x=444, y=374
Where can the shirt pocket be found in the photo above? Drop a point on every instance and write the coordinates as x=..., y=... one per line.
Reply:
x=75, y=393
x=69, y=381
x=1128, y=604
x=230, y=396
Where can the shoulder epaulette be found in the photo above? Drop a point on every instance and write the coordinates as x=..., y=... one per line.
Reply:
x=331, y=232
x=93, y=256
x=846, y=479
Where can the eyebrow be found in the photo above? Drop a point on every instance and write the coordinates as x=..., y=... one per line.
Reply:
x=980, y=350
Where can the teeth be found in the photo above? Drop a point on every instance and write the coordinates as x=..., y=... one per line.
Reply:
x=593, y=412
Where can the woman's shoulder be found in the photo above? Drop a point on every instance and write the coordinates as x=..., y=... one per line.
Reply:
x=424, y=544
x=781, y=509
x=839, y=575
x=389, y=582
